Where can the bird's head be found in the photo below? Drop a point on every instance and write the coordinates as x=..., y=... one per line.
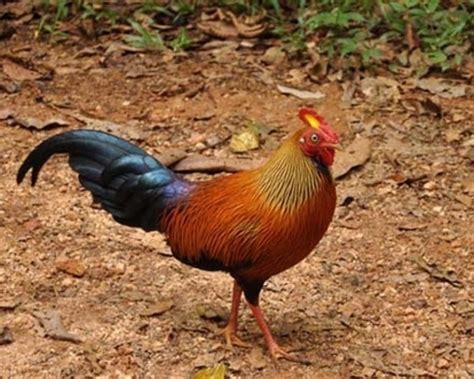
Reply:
x=318, y=140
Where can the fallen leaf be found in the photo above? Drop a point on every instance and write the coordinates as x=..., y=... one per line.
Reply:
x=9, y=86
x=257, y=359
x=274, y=56
x=157, y=308
x=53, y=326
x=6, y=336
x=199, y=163
x=8, y=305
x=245, y=141
x=438, y=272
x=366, y=359
x=213, y=313
x=6, y=114
x=354, y=155
x=300, y=94
x=171, y=156
x=32, y=122
x=18, y=73
x=464, y=199
x=216, y=372
x=442, y=87
x=468, y=183
x=72, y=267
x=380, y=90
x=452, y=135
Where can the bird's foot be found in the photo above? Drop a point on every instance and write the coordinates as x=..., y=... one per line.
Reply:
x=278, y=353
x=232, y=339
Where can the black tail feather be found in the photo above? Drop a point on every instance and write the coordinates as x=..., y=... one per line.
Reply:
x=130, y=184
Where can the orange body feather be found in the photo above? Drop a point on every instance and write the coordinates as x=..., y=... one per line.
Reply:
x=258, y=223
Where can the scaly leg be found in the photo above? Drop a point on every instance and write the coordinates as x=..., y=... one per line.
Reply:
x=230, y=331
x=275, y=350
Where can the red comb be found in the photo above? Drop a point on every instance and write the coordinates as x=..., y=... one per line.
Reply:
x=311, y=118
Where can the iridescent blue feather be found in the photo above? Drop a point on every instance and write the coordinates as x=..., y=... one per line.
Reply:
x=130, y=184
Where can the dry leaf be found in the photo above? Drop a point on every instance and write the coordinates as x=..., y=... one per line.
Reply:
x=18, y=73
x=209, y=312
x=171, y=156
x=245, y=141
x=274, y=56
x=32, y=122
x=72, y=267
x=300, y=94
x=6, y=114
x=257, y=359
x=8, y=305
x=438, y=272
x=380, y=90
x=368, y=359
x=354, y=155
x=199, y=163
x=158, y=308
x=53, y=326
x=442, y=87
x=216, y=372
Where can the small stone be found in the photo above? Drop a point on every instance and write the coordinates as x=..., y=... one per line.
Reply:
x=429, y=185
x=442, y=363
x=6, y=335
x=72, y=267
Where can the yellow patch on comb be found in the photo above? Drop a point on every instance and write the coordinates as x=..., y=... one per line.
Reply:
x=312, y=121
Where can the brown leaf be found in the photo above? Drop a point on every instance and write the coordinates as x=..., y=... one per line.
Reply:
x=199, y=163
x=158, y=308
x=442, y=87
x=257, y=359
x=6, y=336
x=368, y=359
x=53, y=326
x=8, y=305
x=6, y=114
x=275, y=55
x=211, y=312
x=32, y=122
x=300, y=94
x=438, y=272
x=72, y=267
x=171, y=156
x=354, y=155
x=19, y=73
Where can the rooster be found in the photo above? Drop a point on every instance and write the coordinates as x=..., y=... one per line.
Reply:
x=252, y=224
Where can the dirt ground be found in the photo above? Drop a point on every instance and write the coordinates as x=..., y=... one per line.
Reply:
x=389, y=291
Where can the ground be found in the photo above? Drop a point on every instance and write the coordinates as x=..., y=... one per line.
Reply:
x=388, y=291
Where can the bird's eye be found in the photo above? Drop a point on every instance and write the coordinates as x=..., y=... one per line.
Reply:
x=314, y=138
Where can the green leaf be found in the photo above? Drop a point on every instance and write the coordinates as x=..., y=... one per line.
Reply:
x=348, y=46
x=436, y=57
x=432, y=5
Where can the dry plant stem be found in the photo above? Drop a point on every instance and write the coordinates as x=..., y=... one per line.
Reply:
x=230, y=331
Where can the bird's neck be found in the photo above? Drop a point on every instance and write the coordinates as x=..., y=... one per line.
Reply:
x=290, y=179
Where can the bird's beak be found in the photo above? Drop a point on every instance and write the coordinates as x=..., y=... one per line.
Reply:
x=334, y=146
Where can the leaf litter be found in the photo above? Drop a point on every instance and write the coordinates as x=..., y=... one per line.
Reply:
x=359, y=277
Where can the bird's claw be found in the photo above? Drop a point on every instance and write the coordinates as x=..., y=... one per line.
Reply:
x=278, y=353
x=232, y=339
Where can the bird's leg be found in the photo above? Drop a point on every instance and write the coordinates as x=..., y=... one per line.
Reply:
x=230, y=331
x=275, y=350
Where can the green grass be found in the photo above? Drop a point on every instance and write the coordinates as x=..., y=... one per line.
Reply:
x=358, y=33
